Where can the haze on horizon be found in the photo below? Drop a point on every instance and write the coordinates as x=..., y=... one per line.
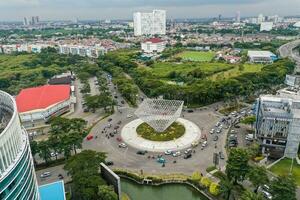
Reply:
x=11, y=10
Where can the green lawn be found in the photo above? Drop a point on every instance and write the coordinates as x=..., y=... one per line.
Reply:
x=162, y=69
x=174, y=131
x=200, y=56
x=283, y=168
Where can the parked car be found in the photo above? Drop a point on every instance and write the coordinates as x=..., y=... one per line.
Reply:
x=265, y=190
x=122, y=145
x=119, y=139
x=60, y=176
x=190, y=111
x=176, y=154
x=188, y=151
x=141, y=152
x=109, y=120
x=90, y=137
x=204, y=144
x=221, y=155
x=215, y=138
x=187, y=156
x=109, y=163
x=195, y=143
x=212, y=131
x=45, y=174
x=168, y=152
x=129, y=116
x=122, y=102
x=53, y=154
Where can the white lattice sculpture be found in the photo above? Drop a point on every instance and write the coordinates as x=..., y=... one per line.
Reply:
x=159, y=113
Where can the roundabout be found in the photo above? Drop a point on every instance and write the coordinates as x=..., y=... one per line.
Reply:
x=129, y=136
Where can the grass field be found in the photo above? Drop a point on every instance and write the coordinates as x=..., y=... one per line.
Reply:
x=199, y=56
x=214, y=71
x=283, y=168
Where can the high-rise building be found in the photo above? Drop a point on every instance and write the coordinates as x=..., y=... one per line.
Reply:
x=150, y=23
x=25, y=21
x=238, y=17
x=17, y=176
x=260, y=18
x=37, y=19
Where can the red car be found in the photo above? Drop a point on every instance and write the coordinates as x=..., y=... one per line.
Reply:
x=89, y=137
x=119, y=139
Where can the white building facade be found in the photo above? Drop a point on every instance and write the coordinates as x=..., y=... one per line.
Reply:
x=149, y=23
x=154, y=45
x=261, y=56
x=17, y=175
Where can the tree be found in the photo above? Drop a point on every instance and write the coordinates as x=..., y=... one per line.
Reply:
x=84, y=170
x=44, y=150
x=237, y=164
x=34, y=149
x=258, y=176
x=226, y=188
x=283, y=187
x=107, y=193
x=249, y=195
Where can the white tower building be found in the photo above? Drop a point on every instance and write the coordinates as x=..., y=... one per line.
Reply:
x=150, y=23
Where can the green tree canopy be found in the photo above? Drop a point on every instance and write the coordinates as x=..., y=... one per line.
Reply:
x=283, y=187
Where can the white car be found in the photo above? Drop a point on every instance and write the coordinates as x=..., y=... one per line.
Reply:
x=212, y=131
x=188, y=151
x=168, y=152
x=204, y=144
x=176, y=154
x=122, y=145
x=129, y=116
x=53, y=154
x=45, y=174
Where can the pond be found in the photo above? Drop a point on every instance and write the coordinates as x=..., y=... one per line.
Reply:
x=163, y=192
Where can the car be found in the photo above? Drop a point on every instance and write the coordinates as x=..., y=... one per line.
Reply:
x=221, y=155
x=190, y=111
x=119, y=122
x=109, y=163
x=122, y=145
x=116, y=97
x=187, y=156
x=122, y=102
x=188, y=151
x=237, y=126
x=215, y=138
x=219, y=130
x=232, y=143
x=141, y=152
x=204, y=144
x=168, y=152
x=45, y=174
x=60, y=176
x=265, y=190
x=232, y=131
x=116, y=127
x=212, y=131
x=89, y=137
x=53, y=154
x=249, y=137
x=129, y=116
x=109, y=120
x=195, y=143
x=85, y=109
x=119, y=139
x=176, y=154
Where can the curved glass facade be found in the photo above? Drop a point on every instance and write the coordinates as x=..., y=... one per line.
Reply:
x=17, y=176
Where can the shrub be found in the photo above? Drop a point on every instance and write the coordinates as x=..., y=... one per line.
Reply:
x=205, y=181
x=214, y=189
x=196, y=176
x=258, y=158
x=220, y=175
x=210, y=168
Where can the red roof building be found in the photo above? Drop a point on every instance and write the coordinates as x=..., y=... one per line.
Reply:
x=42, y=97
x=154, y=40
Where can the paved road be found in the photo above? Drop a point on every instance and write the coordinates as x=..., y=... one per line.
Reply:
x=287, y=50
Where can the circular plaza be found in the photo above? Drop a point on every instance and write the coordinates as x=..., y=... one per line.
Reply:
x=131, y=137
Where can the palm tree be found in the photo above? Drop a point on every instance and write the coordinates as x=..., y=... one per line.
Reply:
x=226, y=187
x=249, y=195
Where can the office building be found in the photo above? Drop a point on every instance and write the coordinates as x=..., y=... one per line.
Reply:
x=278, y=123
x=261, y=56
x=37, y=105
x=238, y=17
x=153, y=23
x=25, y=21
x=17, y=176
x=292, y=80
x=260, y=18
x=266, y=26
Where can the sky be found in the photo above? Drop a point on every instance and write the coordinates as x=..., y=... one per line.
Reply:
x=11, y=10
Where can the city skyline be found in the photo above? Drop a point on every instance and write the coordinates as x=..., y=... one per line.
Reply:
x=116, y=9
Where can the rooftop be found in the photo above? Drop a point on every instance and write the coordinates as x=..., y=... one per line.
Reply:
x=260, y=54
x=41, y=97
x=154, y=40
x=52, y=191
